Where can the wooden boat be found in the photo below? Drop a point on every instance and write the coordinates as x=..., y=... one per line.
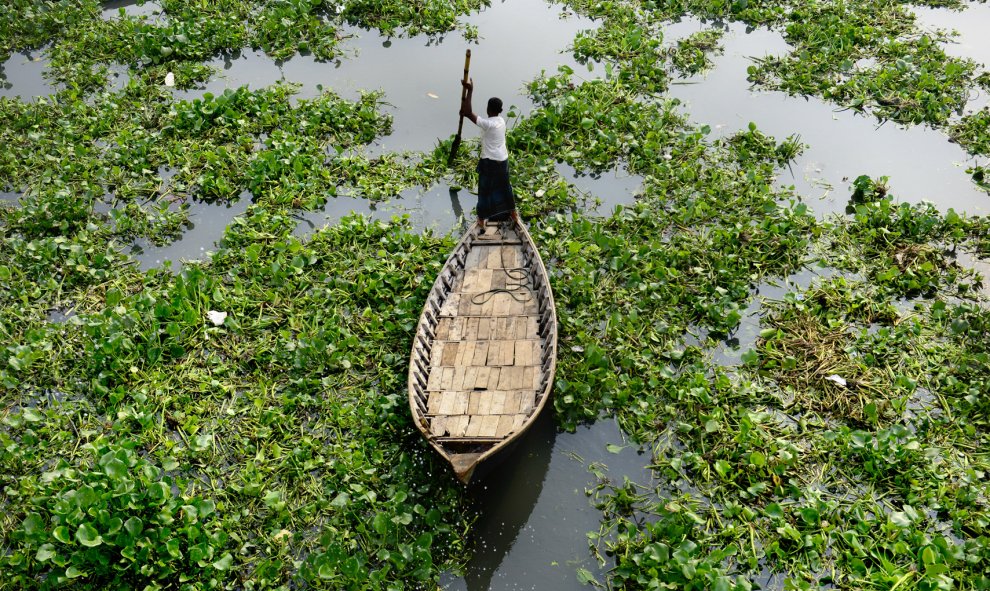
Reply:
x=485, y=349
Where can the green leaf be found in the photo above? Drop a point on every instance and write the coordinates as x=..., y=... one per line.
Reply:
x=88, y=536
x=134, y=526
x=723, y=468
x=341, y=500
x=584, y=576
x=33, y=523
x=74, y=573
x=61, y=534
x=380, y=523
x=32, y=415
x=900, y=518
x=172, y=547
x=750, y=357
x=45, y=553
x=225, y=562
x=614, y=449
x=757, y=459
x=115, y=469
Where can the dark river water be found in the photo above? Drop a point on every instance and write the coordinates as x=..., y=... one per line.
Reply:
x=534, y=513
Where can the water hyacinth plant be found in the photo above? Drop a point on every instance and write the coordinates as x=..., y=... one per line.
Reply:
x=240, y=422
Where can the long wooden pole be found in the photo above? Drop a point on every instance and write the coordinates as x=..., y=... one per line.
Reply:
x=460, y=124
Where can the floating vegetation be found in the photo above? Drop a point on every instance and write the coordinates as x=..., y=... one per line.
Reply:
x=693, y=54
x=973, y=132
x=250, y=407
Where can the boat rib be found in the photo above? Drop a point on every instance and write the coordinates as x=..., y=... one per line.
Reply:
x=485, y=349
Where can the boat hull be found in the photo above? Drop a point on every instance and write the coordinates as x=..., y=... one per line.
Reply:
x=484, y=354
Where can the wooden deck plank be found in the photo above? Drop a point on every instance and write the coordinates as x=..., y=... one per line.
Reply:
x=527, y=402
x=449, y=350
x=474, y=426
x=485, y=407
x=457, y=426
x=505, y=424
x=433, y=403
x=497, y=403
x=483, y=378
x=451, y=306
x=473, y=258
x=489, y=426
x=480, y=353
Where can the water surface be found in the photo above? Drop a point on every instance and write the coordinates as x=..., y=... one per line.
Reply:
x=842, y=144
x=534, y=511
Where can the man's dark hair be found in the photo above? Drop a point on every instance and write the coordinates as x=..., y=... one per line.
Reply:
x=495, y=105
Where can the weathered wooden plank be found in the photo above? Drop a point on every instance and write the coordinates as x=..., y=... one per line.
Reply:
x=435, y=380
x=470, y=377
x=489, y=426
x=464, y=349
x=485, y=407
x=438, y=426
x=484, y=329
x=493, y=377
x=443, y=328
x=505, y=424
x=483, y=378
x=531, y=378
x=451, y=306
x=512, y=400
x=449, y=352
x=474, y=402
x=447, y=378
x=473, y=258
x=434, y=403
x=497, y=403
x=527, y=401
x=474, y=426
x=502, y=304
x=454, y=403
x=457, y=426
x=480, y=353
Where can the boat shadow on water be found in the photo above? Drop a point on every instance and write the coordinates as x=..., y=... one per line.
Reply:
x=505, y=499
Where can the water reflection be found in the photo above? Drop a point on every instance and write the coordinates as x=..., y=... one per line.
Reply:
x=842, y=144
x=534, y=513
x=436, y=208
x=971, y=39
x=23, y=75
x=611, y=188
x=207, y=222
x=518, y=40
x=728, y=351
x=132, y=8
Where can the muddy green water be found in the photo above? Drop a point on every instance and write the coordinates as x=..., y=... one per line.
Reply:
x=533, y=511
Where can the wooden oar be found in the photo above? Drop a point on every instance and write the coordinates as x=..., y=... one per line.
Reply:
x=460, y=124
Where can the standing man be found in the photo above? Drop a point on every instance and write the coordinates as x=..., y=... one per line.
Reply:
x=495, y=198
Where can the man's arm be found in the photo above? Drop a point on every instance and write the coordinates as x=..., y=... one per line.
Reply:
x=466, y=109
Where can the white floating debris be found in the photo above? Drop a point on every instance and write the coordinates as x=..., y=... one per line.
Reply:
x=577, y=349
x=170, y=79
x=216, y=318
x=540, y=193
x=431, y=95
x=837, y=379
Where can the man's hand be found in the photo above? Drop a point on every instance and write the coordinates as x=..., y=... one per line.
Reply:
x=466, y=109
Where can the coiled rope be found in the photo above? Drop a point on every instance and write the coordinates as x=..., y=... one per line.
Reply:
x=518, y=280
